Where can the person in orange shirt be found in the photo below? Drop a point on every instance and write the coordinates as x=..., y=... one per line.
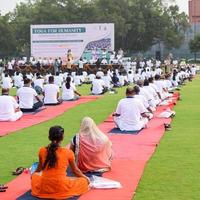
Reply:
x=50, y=180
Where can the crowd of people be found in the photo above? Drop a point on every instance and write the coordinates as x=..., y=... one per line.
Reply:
x=36, y=90
x=90, y=149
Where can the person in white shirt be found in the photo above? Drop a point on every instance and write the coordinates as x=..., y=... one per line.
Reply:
x=91, y=77
x=107, y=79
x=98, y=86
x=28, y=98
x=130, y=77
x=161, y=87
x=100, y=73
x=81, y=64
x=39, y=83
x=104, y=61
x=9, y=108
x=147, y=94
x=69, y=92
x=51, y=93
x=7, y=82
x=130, y=114
x=58, y=80
x=143, y=100
x=78, y=79
x=18, y=80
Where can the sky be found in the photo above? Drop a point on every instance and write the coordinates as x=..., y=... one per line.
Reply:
x=9, y=5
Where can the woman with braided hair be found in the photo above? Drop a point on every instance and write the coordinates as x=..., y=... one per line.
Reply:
x=50, y=180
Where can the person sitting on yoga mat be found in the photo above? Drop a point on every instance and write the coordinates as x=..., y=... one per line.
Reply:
x=130, y=114
x=51, y=93
x=69, y=92
x=9, y=108
x=93, y=149
x=50, y=180
x=27, y=96
x=98, y=86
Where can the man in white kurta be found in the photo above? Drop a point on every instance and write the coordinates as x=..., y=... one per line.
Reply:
x=130, y=113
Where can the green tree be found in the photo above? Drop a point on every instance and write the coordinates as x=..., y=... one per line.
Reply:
x=138, y=23
x=194, y=45
x=7, y=38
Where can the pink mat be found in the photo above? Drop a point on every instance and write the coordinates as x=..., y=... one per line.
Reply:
x=132, y=153
x=49, y=113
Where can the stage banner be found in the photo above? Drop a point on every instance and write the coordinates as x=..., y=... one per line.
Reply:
x=53, y=41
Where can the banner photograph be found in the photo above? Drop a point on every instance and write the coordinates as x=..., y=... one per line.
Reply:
x=53, y=41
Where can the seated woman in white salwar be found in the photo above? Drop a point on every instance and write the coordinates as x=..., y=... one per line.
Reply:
x=9, y=108
x=130, y=114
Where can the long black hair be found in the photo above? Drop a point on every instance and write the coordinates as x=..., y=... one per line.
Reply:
x=68, y=81
x=55, y=136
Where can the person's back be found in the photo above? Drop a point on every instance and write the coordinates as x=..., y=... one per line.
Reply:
x=97, y=86
x=7, y=82
x=68, y=93
x=18, y=81
x=39, y=82
x=58, y=80
x=50, y=180
x=50, y=93
x=93, y=148
x=130, y=110
x=7, y=107
x=26, y=96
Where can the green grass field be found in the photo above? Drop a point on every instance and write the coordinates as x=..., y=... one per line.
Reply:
x=172, y=173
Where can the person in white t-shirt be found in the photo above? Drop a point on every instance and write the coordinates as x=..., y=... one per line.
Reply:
x=51, y=93
x=7, y=82
x=143, y=100
x=58, y=80
x=91, y=77
x=81, y=64
x=69, y=92
x=98, y=86
x=18, y=80
x=107, y=80
x=29, y=100
x=39, y=82
x=130, y=114
x=9, y=108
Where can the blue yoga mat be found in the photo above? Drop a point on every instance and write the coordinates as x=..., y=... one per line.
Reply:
x=118, y=131
x=28, y=196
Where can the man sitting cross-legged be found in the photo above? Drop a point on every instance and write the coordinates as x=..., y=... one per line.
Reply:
x=9, y=108
x=130, y=114
x=29, y=100
x=51, y=93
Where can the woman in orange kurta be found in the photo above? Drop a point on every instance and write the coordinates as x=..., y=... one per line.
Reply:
x=50, y=180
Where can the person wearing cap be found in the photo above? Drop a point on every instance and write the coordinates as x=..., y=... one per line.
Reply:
x=130, y=114
x=9, y=108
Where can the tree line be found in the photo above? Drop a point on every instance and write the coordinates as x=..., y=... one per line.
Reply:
x=139, y=24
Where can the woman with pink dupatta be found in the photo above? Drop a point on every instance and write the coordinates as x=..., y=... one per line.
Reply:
x=92, y=148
